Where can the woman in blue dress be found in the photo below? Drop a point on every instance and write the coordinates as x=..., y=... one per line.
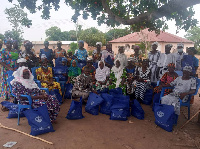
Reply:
x=48, y=52
x=8, y=59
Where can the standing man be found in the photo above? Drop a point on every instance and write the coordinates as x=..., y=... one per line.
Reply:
x=179, y=56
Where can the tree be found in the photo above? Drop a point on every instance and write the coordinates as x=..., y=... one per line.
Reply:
x=116, y=33
x=13, y=35
x=92, y=35
x=1, y=36
x=140, y=14
x=73, y=47
x=18, y=18
x=194, y=35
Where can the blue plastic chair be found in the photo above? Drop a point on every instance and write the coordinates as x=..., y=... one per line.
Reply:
x=180, y=73
x=185, y=104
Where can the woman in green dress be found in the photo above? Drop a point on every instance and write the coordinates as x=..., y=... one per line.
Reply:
x=8, y=59
x=118, y=76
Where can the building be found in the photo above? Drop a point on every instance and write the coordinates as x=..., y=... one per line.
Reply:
x=149, y=37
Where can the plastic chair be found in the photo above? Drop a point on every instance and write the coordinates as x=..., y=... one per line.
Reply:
x=185, y=104
x=180, y=73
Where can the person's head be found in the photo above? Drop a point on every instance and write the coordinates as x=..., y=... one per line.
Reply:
x=145, y=63
x=99, y=45
x=180, y=47
x=101, y=64
x=69, y=52
x=191, y=51
x=109, y=47
x=121, y=49
x=187, y=71
x=130, y=61
x=136, y=49
x=87, y=71
x=117, y=63
x=15, y=44
x=168, y=48
x=1, y=44
x=171, y=67
x=154, y=46
x=44, y=61
x=59, y=44
x=89, y=61
x=28, y=45
x=46, y=44
x=73, y=63
x=21, y=62
x=8, y=44
x=26, y=74
x=81, y=44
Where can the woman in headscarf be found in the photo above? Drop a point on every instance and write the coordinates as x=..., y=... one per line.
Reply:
x=91, y=67
x=82, y=85
x=167, y=78
x=121, y=56
x=8, y=59
x=118, y=76
x=183, y=87
x=23, y=84
x=45, y=76
x=153, y=57
x=48, y=52
x=59, y=52
x=137, y=58
x=143, y=75
x=73, y=71
x=102, y=76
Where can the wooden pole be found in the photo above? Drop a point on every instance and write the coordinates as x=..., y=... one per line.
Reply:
x=1, y=126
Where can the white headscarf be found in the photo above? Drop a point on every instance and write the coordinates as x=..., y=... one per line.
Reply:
x=118, y=72
x=43, y=56
x=101, y=74
x=99, y=43
x=21, y=60
x=18, y=77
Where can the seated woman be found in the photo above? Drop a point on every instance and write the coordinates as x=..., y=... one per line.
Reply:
x=82, y=85
x=118, y=76
x=183, y=87
x=102, y=76
x=45, y=76
x=91, y=67
x=23, y=84
x=142, y=80
x=167, y=78
x=73, y=71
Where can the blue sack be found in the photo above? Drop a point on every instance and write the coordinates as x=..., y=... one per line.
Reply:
x=156, y=99
x=118, y=114
x=59, y=71
x=188, y=61
x=68, y=91
x=39, y=120
x=136, y=110
x=95, y=65
x=116, y=91
x=58, y=62
x=106, y=104
x=93, y=103
x=81, y=63
x=75, y=111
x=105, y=90
x=57, y=94
x=13, y=109
x=165, y=116
x=148, y=97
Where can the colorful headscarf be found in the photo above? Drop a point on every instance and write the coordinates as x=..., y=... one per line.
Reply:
x=171, y=65
x=74, y=70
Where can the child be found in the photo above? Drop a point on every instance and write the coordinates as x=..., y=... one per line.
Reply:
x=70, y=57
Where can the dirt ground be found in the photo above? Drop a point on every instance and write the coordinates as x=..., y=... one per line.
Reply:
x=98, y=132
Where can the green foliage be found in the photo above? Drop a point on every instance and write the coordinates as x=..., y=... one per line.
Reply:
x=1, y=36
x=140, y=14
x=116, y=33
x=18, y=18
x=194, y=35
x=13, y=35
x=92, y=35
x=73, y=47
x=90, y=53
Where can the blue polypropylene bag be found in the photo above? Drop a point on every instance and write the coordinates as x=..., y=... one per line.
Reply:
x=116, y=91
x=13, y=109
x=57, y=94
x=105, y=90
x=136, y=110
x=58, y=62
x=164, y=116
x=148, y=97
x=106, y=104
x=155, y=99
x=39, y=120
x=118, y=114
x=68, y=91
x=93, y=103
x=59, y=71
x=75, y=111
x=81, y=64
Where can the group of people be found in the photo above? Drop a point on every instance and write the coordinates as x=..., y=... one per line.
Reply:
x=103, y=70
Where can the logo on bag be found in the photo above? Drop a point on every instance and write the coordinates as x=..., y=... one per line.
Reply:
x=92, y=103
x=73, y=111
x=38, y=119
x=160, y=114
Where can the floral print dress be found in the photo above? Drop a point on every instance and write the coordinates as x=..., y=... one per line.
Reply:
x=52, y=102
x=10, y=58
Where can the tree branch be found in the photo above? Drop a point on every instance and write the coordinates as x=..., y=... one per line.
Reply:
x=168, y=8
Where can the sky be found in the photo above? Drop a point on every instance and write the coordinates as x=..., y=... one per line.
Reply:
x=62, y=19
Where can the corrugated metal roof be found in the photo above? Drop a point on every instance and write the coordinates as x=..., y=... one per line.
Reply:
x=145, y=35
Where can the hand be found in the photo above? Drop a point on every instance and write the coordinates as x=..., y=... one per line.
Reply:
x=67, y=82
x=182, y=95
